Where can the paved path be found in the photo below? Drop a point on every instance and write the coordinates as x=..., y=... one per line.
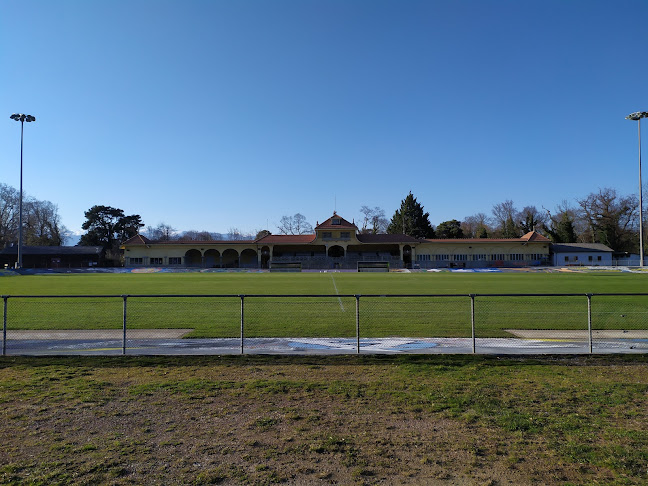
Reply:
x=146, y=342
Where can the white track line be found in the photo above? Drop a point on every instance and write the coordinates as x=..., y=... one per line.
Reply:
x=337, y=292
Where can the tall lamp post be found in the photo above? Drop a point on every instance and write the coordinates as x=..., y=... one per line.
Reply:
x=22, y=119
x=638, y=116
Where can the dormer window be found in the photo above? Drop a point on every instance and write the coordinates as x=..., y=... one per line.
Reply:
x=336, y=221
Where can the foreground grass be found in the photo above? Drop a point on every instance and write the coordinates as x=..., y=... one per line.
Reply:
x=343, y=420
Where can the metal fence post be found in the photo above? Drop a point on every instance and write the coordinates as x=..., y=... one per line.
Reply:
x=589, y=321
x=242, y=322
x=472, y=321
x=125, y=297
x=4, y=326
x=357, y=324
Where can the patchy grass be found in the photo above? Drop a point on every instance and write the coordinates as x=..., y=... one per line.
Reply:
x=342, y=419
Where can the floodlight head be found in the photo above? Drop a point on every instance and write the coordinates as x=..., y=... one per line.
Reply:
x=637, y=115
x=22, y=117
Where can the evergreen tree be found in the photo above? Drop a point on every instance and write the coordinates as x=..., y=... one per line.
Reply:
x=510, y=229
x=411, y=220
x=449, y=229
x=107, y=227
x=562, y=230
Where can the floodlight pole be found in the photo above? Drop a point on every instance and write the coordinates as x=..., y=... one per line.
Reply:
x=641, y=249
x=638, y=116
x=22, y=119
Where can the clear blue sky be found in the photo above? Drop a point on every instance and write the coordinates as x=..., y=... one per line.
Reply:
x=218, y=114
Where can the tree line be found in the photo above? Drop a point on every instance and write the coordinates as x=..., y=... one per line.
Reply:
x=603, y=216
x=41, y=221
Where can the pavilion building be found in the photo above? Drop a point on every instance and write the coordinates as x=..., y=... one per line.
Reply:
x=338, y=244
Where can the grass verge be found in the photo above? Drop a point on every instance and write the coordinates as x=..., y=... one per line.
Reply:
x=342, y=419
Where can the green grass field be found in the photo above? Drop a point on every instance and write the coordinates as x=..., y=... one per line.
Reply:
x=329, y=316
x=323, y=283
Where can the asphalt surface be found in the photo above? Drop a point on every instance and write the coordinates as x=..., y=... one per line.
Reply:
x=113, y=345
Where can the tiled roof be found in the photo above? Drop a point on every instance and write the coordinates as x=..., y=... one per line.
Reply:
x=285, y=239
x=328, y=224
x=578, y=247
x=535, y=236
x=532, y=236
x=137, y=240
x=387, y=239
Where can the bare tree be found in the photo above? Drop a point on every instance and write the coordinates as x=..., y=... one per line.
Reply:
x=193, y=235
x=42, y=224
x=294, y=225
x=161, y=232
x=41, y=221
x=610, y=219
x=237, y=234
x=504, y=216
x=476, y=226
x=374, y=220
x=8, y=214
x=531, y=219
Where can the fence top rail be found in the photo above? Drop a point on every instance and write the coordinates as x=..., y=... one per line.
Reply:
x=166, y=296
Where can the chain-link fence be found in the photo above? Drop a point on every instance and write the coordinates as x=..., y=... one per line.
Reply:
x=229, y=324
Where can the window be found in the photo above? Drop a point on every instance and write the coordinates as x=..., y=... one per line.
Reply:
x=498, y=256
x=156, y=261
x=516, y=257
x=441, y=258
x=136, y=261
x=423, y=258
x=590, y=258
x=175, y=260
x=345, y=235
x=336, y=221
x=327, y=234
x=598, y=258
x=480, y=257
x=566, y=258
x=460, y=258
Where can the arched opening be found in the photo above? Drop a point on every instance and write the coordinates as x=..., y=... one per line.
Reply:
x=212, y=259
x=230, y=258
x=336, y=251
x=407, y=256
x=249, y=259
x=193, y=258
x=265, y=257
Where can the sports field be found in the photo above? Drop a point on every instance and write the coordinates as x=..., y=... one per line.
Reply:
x=323, y=283
x=335, y=315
